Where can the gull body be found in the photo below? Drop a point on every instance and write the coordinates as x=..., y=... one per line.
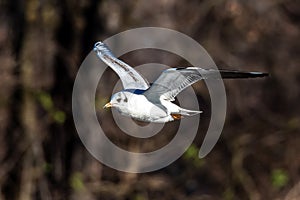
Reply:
x=153, y=103
x=138, y=107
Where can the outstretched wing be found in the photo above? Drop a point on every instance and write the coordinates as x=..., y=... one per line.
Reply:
x=130, y=78
x=172, y=81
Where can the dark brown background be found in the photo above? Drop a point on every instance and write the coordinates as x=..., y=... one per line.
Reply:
x=42, y=44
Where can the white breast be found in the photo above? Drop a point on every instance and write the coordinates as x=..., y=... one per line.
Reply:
x=141, y=108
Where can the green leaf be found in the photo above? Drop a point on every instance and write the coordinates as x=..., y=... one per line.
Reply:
x=45, y=100
x=279, y=178
x=228, y=194
x=191, y=152
x=59, y=117
x=191, y=155
x=47, y=167
x=76, y=181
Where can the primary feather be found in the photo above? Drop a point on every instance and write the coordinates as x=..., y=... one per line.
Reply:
x=172, y=81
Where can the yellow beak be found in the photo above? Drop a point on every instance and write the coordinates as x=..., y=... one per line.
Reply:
x=108, y=105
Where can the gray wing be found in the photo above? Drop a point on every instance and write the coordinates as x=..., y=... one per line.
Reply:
x=130, y=78
x=172, y=81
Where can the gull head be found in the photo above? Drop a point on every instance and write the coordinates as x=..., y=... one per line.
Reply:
x=118, y=100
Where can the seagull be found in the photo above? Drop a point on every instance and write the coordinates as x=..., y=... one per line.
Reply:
x=153, y=103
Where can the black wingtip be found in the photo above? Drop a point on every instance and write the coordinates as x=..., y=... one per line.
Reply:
x=240, y=74
x=259, y=74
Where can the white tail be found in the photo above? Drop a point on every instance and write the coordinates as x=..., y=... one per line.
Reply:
x=189, y=112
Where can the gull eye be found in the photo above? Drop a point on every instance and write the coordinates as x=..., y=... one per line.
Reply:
x=126, y=100
x=118, y=100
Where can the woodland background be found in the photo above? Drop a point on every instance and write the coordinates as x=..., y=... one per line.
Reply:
x=42, y=44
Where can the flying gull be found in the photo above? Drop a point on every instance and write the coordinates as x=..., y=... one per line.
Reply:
x=153, y=103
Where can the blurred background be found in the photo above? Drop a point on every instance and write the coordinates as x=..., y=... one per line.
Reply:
x=42, y=44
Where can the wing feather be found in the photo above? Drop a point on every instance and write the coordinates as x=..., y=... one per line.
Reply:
x=172, y=81
x=130, y=78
